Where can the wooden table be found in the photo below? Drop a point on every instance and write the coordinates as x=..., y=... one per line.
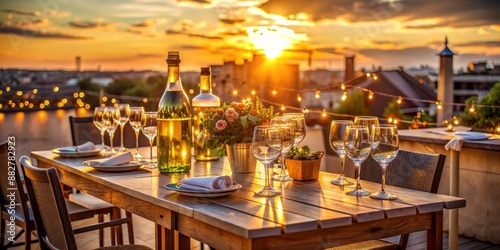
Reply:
x=307, y=215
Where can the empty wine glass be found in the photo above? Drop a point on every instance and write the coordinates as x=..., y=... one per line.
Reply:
x=387, y=139
x=149, y=128
x=368, y=121
x=288, y=136
x=124, y=110
x=135, y=123
x=299, y=122
x=357, y=147
x=110, y=118
x=266, y=147
x=336, y=139
x=100, y=124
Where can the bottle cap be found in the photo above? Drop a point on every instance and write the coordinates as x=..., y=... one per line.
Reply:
x=173, y=57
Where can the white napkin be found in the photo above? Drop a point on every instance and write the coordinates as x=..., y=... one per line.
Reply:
x=455, y=143
x=212, y=183
x=118, y=160
x=88, y=146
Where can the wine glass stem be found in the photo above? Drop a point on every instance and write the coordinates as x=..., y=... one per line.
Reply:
x=283, y=166
x=121, y=131
x=268, y=176
x=342, y=168
x=151, y=150
x=358, y=174
x=102, y=139
x=384, y=167
x=137, y=141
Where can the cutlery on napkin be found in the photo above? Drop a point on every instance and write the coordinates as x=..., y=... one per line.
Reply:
x=120, y=159
x=212, y=183
x=88, y=146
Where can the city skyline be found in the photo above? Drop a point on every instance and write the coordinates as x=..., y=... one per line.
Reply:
x=137, y=34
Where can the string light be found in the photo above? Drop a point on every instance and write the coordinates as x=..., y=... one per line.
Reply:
x=299, y=98
x=324, y=113
x=438, y=105
x=399, y=100
x=370, y=95
x=472, y=110
x=235, y=92
x=275, y=92
x=367, y=74
x=253, y=92
x=283, y=107
x=342, y=86
x=344, y=96
x=317, y=95
x=375, y=77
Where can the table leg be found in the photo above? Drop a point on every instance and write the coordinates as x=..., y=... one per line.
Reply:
x=454, y=191
x=184, y=241
x=165, y=238
x=435, y=234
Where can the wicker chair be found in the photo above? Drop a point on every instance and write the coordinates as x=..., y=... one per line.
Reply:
x=51, y=215
x=23, y=216
x=409, y=170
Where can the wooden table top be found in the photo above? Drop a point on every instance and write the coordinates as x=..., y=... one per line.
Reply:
x=302, y=206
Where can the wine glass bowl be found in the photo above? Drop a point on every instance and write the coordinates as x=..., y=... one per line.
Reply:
x=336, y=140
x=110, y=118
x=135, y=123
x=266, y=147
x=368, y=121
x=100, y=124
x=357, y=147
x=124, y=110
x=288, y=136
x=387, y=140
x=299, y=123
x=149, y=127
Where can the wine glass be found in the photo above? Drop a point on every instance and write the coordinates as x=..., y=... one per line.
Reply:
x=135, y=123
x=124, y=110
x=336, y=139
x=266, y=147
x=357, y=147
x=110, y=118
x=368, y=121
x=99, y=123
x=149, y=128
x=288, y=136
x=387, y=139
x=299, y=123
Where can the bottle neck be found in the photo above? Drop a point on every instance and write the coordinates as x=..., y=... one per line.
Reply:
x=205, y=84
x=173, y=77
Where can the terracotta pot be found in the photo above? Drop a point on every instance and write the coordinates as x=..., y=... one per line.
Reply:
x=304, y=170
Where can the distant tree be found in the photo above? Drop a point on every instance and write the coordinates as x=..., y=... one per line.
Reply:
x=119, y=86
x=354, y=105
x=87, y=85
x=485, y=118
x=393, y=110
x=156, y=85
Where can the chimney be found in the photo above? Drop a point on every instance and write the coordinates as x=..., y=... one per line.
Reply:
x=445, y=84
x=78, y=62
x=349, y=68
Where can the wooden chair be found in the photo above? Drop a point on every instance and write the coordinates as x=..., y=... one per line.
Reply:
x=50, y=212
x=409, y=170
x=83, y=130
x=13, y=192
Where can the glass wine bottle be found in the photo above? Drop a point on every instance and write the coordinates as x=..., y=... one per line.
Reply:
x=174, y=122
x=202, y=105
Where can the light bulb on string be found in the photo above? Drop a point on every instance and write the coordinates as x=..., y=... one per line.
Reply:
x=235, y=92
x=344, y=96
x=253, y=92
x=370, y=95
x=389, y=119
x=375, y=77
x=367, y=74
x=438, y=105
x=472, y=109
x=342, y=86
x=275, y=92
x=299, y=98
x=317, y=95
x=395, y=121
x=400, y=99
x=283, y=107
x=324, y=113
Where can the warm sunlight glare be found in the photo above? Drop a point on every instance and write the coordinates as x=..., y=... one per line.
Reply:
x=271, y=40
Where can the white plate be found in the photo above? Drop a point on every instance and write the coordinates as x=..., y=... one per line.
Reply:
x=472, y=136
x=76, y=154
x=194, y=193
x=133, y=165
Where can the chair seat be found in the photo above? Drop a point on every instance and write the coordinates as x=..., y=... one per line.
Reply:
x=369, y=244
x=88, y=201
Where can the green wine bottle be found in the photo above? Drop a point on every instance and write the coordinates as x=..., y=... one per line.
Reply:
x=174, y=122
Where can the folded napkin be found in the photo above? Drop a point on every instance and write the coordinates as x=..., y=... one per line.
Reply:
x=118, y=160
x=455, y=143
x=88, y=146
x=212, y=183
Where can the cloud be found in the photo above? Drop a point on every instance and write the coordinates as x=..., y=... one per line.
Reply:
x=149, y=55
x=21, y=12
x=480, y=43
x=183, y=32
x=88, y=24
x=6, y=29
x=448, y=13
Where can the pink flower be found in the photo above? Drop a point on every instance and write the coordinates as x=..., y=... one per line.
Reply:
x=221, y=125
x=231, y=114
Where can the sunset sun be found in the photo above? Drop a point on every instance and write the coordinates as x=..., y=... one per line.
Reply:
x=271, y=40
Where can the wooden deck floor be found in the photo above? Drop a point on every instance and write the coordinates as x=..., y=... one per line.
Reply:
x=144, y=235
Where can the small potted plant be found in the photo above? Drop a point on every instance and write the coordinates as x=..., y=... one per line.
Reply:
x=303, y=164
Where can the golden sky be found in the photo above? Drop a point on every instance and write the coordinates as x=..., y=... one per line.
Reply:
x=137, y=34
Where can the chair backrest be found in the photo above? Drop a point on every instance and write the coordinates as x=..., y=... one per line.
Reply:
x=52, y=219
x=11, y=185
x=83, y=130
x=411, y=170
